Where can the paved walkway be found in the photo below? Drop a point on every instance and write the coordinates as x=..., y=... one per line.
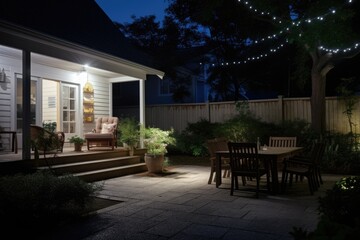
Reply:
x=181, y=205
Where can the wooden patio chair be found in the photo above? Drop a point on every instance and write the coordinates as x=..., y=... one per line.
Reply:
x=244, y=162
x=46, y=142
x=305, y=167
x=213, y=145
x=104, y=133
x=282, y=141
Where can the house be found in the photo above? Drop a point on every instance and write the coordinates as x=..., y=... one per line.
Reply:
x=51, y=53
x=190, y=84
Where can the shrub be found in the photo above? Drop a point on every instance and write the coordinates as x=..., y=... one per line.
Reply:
x=342, y=154
x=42, y=200
x=192, y=139
x=340, y=213
x=242, y=127
x=341, y=203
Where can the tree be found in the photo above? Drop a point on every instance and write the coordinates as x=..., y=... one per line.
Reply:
x=327, y=23
x=315, y=26
x=227, y=27
x=165, y=42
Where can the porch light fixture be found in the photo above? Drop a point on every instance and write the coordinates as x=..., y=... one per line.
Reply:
x=3, y=76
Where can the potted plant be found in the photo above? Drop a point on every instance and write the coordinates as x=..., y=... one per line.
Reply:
x=78, y=142
x=49, y=125
x=129, y=133
x=156, y=141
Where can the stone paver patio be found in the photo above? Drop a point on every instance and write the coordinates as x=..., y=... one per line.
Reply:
x=181, y=205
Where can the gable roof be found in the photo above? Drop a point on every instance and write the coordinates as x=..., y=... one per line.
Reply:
x=81, y=22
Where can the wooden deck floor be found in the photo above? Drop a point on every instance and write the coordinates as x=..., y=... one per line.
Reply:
x=6, y=156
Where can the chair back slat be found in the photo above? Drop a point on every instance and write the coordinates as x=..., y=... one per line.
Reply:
x=317, y=152
x=216, y=144
x=243, y=157
x=282, y=142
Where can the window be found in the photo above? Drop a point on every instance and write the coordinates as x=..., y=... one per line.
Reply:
x=165, y=86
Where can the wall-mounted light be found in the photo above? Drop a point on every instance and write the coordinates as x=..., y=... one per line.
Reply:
x=3, y=76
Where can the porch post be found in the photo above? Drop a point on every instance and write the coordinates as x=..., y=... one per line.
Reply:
x=26, y=79
x=142, y=107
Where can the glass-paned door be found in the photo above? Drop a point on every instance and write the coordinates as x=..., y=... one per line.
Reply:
x=51, y=102
x=35, y=100
x=70, y=109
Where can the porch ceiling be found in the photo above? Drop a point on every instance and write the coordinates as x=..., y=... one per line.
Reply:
x=58, y=63
x=62, y=51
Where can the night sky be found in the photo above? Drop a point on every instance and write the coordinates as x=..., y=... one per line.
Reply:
x=122, y=10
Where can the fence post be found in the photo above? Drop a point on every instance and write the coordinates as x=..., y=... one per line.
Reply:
x=207, y=105
x=281, y=108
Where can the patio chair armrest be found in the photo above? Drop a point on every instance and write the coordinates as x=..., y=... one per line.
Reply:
x=294, y=161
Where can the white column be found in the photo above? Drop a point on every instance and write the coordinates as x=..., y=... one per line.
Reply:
x=142, y=107
x=111, y=106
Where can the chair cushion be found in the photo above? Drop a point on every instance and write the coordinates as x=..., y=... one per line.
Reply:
x=107, y=128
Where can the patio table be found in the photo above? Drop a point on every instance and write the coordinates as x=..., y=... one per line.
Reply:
x=271, y=156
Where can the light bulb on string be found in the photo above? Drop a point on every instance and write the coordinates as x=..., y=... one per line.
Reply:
x=286, y=29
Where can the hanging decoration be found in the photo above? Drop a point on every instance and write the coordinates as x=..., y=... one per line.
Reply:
x=88, y=101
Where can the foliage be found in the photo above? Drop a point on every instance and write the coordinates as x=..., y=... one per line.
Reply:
x=156, y=140
x=348, y=97
x=41, y=200
x=342, y=154
x=49, y=126
x=341, y=203
x=76, y=139
x=129, y=131
x=163, y=42
x=242, y=127
x=340, y=213
x=192, y=139
x=46, y=141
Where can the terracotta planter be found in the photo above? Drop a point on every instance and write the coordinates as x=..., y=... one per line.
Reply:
x=154, y=163
x=78, y=147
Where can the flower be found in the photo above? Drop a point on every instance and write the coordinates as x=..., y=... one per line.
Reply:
x=156, y=140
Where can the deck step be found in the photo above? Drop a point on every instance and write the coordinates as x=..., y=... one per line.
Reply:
x=84, y=166
x=96, y=166
x=103, y=174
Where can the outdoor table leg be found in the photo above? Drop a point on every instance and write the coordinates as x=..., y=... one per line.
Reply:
x=274, y=175
x=14, y=143
x=218, y=170
x=271, y=162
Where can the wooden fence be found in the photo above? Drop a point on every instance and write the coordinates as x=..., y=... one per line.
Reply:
x=177, y=116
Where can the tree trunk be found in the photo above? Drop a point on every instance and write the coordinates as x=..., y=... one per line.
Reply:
x=320, y=67
x=318, y=108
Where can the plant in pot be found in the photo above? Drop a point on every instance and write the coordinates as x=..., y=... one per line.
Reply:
x=78, y=142
x=156, y=141
x=129, y=133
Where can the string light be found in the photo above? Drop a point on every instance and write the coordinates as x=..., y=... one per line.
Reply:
x=344, y=50
x=252, y=58
x=285, y=30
